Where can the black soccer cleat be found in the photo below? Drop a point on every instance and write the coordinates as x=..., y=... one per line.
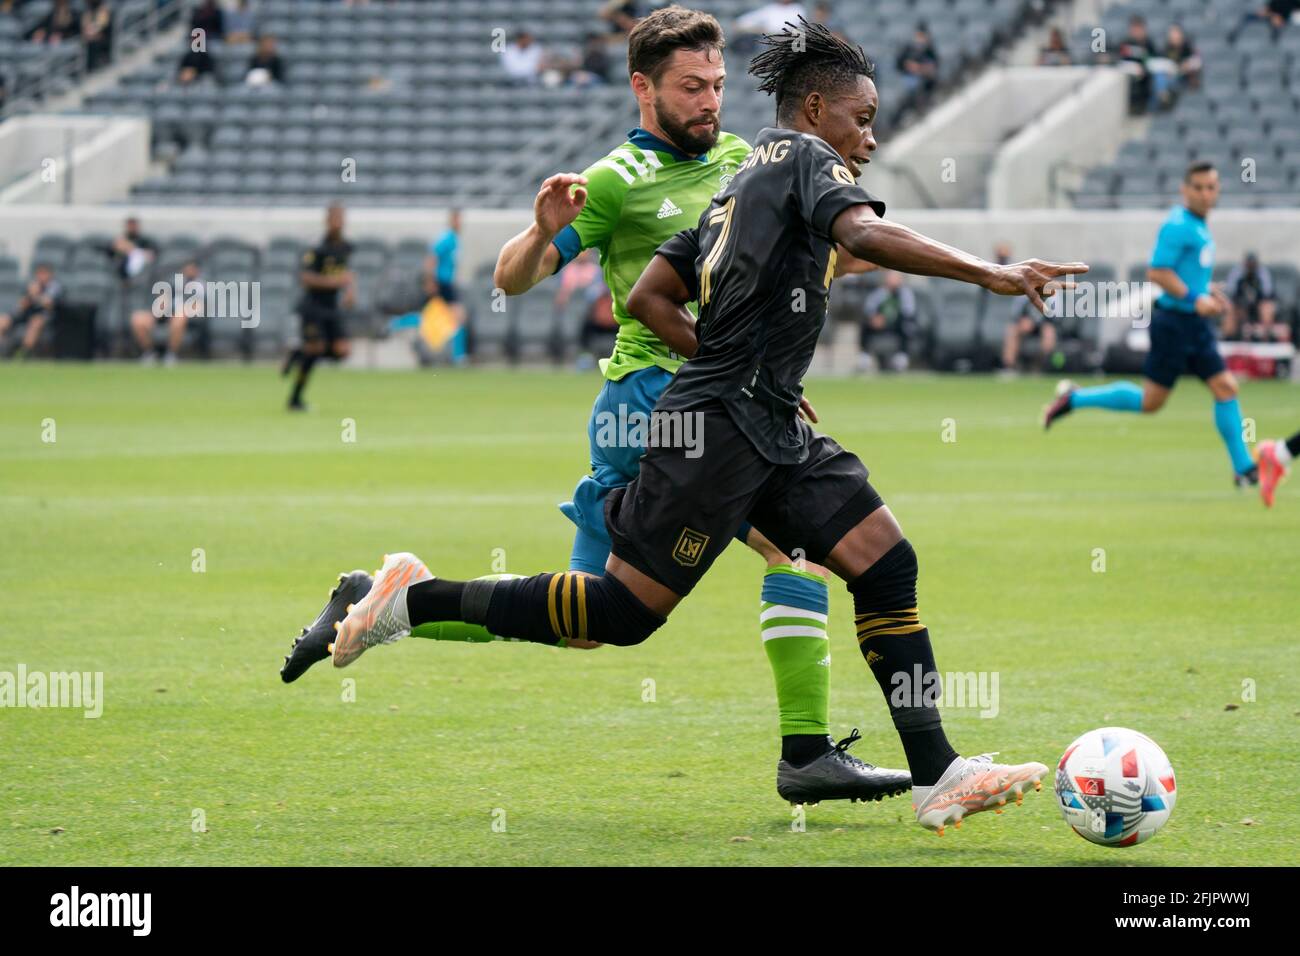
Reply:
x=314, y=643
x=1246, y=479
x=1059, y=406
x=837, y=775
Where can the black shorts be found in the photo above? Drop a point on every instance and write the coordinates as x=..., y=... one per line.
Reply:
x=321, y=324
x=447, y=292
x=1181, y=342
x=679, y=513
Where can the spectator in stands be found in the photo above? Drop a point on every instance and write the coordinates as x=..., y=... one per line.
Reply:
x=440, y=267
x=522, y=59
x=133, y=251
x=266, y=65
x=59, y=24
x=918, y=62
x=1253, y=317
x=1136, y=49
x=239, y=24
x=35, y=308
x=195, y=65
x=1057, y=51
x=824, y=13
x=207, y=17
x=97, y=32
x=1276, y=13
x=595, y=66
x=175, y=315
x=621, y=15
x=889, y=326
x=587, y=286
x=1187, y=62
x=769, y=18
x=1027, y=323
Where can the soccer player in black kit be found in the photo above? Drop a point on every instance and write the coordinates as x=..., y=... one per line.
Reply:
x=323, y=276
x=759, y=264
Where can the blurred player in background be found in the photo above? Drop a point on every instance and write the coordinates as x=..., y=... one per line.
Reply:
x=1182, y=337
x=325, y=279
x=626, y=204
x=176, y=316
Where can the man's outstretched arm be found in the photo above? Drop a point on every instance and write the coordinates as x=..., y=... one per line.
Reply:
x=530, y=256
x=894, y=246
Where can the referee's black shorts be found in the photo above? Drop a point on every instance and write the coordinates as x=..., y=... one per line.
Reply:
x=679, y=513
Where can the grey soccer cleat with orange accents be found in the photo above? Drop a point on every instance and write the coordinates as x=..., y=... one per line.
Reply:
x=971, y=785
x=381, y=616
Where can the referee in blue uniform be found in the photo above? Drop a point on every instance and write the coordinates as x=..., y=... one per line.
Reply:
x=1182, y=337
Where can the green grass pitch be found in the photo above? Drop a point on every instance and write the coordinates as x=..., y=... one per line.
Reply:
x=518, y=754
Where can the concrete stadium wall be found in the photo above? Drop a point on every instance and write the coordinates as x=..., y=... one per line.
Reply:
x=95, y=159
x=1086, y=127
x=944, y=159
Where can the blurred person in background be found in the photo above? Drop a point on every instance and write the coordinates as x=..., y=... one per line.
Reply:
x=440, y=267
x=132, y=252
x=60, y=24
x=176, y=316
x=207, y=17
x=329, y=286
x=34, y=309
x=238, y=23
x=769, y=18
x=195, y=65
x=889, y=328
x=1027, y=323
x=266, y=65
x=1181, y=69
x=1136, y=49
x=522, y=59
x=1056, y=52
x=582, y=280
x=1253, y=316
x=97, y=32
x=918, y=62
x=621, y=15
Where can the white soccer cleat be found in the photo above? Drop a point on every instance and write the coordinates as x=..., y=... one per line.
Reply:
x=972, y=784
x=381, y=616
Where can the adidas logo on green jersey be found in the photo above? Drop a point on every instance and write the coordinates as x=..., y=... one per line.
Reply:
x=669, y=208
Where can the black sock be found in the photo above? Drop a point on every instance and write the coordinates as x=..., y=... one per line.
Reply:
x=897, y=649
x=799, y=750
x=1293, y=445
x=304, y=370
x=545, y=608
x=436, y=600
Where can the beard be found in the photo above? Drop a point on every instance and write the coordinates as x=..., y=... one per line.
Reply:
x=692, y=140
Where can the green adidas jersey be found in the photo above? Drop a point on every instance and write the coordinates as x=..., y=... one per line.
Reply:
x=638, y=196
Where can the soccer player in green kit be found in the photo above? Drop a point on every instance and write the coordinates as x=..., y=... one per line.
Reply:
x=626, y=204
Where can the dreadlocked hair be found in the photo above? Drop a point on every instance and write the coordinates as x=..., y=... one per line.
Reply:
x=804, y=58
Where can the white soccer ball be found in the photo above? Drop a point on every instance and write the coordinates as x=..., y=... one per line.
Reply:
x=1115, y=787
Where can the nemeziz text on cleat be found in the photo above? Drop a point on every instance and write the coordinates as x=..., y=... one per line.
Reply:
x=1271, y=472
x=313, y=644
x=972, y=784
x=1059, y=406
x=837, y=775
x=381, y=616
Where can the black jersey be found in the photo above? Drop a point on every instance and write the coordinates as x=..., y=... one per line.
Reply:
x=328, y=259
x=760, y=264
